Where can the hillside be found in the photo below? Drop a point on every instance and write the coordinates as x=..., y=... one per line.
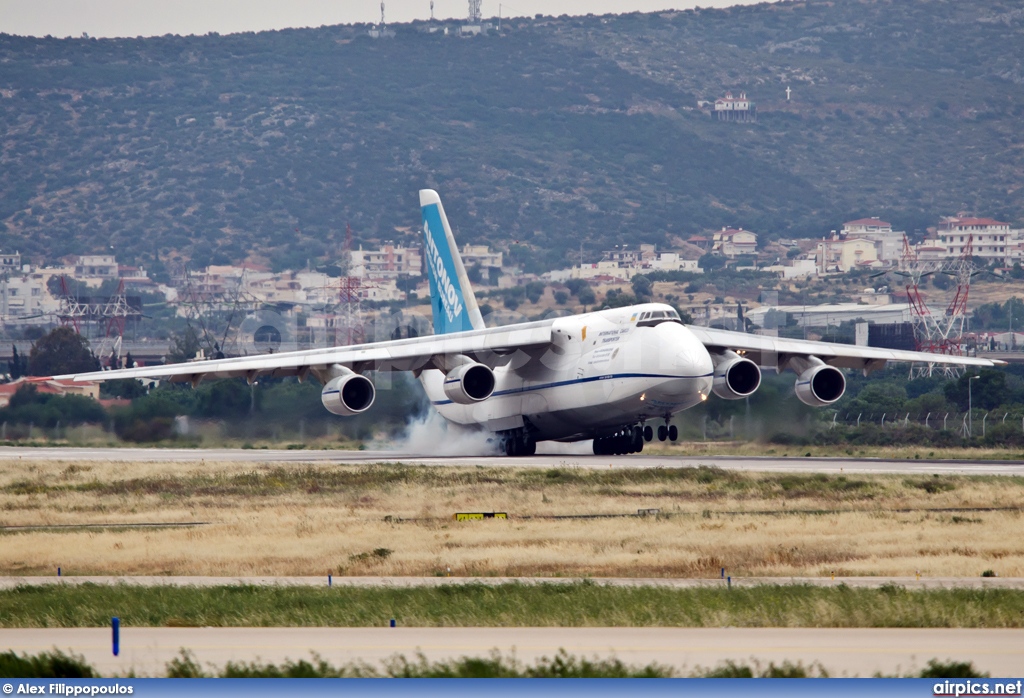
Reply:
x=557, y=131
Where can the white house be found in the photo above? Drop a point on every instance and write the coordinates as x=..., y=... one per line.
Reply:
x=734, y=242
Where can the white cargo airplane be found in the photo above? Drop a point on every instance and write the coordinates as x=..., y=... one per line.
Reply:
x=605, y=375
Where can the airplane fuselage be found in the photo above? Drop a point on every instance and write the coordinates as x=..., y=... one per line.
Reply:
x=604, y=370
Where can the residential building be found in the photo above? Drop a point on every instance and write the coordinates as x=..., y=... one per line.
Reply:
x=94, y=269
x=623, y=256
x=731, y=108
x=671, y=261
x=799, y=269
x=473, y=255
x=386, y=262
x=734, y=242
x=992, y=240
x=839, y=254
x=24, y=296
x=135, y=277
x=603, y=271
x=50, y=387
x=10, y=263
x=888, y=242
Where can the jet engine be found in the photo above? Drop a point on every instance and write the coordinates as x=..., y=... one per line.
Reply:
x=348, y=394
x=469, y=383
x=736, y=378
x=820, y=385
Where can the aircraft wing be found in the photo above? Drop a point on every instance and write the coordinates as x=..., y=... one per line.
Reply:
x=491, y=346
x=776, y=352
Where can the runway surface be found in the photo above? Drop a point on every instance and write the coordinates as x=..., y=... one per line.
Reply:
x=849, y=652
x=768, y=463
x=408, y=582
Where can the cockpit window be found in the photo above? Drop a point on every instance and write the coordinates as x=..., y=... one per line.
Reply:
x=656, y=317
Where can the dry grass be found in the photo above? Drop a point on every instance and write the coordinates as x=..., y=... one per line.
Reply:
x=312, y=519
x=889, y=453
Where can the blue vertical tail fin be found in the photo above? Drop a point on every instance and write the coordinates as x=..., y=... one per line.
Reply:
x=451, y=296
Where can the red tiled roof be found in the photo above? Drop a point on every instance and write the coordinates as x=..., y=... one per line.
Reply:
x=870, y=221
x=972, y=221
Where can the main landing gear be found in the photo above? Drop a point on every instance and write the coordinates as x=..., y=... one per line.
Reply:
x=631, y=439
x=628, y=440
x=518, y=443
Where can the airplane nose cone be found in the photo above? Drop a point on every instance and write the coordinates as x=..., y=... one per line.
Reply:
x=692, y=364
x=695, y=362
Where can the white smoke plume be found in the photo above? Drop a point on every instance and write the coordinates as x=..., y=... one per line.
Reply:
x=432, y=435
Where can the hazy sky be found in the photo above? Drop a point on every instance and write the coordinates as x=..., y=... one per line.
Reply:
x=104, y=18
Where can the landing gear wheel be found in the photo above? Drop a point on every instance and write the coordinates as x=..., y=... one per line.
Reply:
x=648, y=434
x=662, y=433
x=637, y=440
x=673, y=433
x=529, y=447
x=519, y=444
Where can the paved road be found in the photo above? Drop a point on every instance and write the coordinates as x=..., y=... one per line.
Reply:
x=860, y=651
x=406, y=582
x=827, y=465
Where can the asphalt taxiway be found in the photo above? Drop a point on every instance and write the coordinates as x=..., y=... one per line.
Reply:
x=840, y=651
x=542, y=460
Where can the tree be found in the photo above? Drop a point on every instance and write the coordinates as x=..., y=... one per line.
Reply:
x=18, y=365
x=711, y=262
x=642, y=288
x=61, y=351
x=184, y=346
x=586, y=296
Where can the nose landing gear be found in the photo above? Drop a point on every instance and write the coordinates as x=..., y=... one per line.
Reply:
x=668, y=431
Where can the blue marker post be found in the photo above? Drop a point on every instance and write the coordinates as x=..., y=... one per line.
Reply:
x=392, y=622
x=58, y=571
x=115, y=627
x=328, y=580
x=723, y=573
x=729, y=581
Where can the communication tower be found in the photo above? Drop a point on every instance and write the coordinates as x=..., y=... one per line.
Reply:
x=474, y=11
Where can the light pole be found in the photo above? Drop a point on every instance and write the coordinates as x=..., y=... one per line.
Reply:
x=970, y=407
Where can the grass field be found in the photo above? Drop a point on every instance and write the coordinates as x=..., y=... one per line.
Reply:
x=582, y=604
x=396, y=520
x=56, y=664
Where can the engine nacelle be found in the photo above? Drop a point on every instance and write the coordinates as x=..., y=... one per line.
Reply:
x=735, y=379
x=820, y=385
x=469, y=383
x=348, y=395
